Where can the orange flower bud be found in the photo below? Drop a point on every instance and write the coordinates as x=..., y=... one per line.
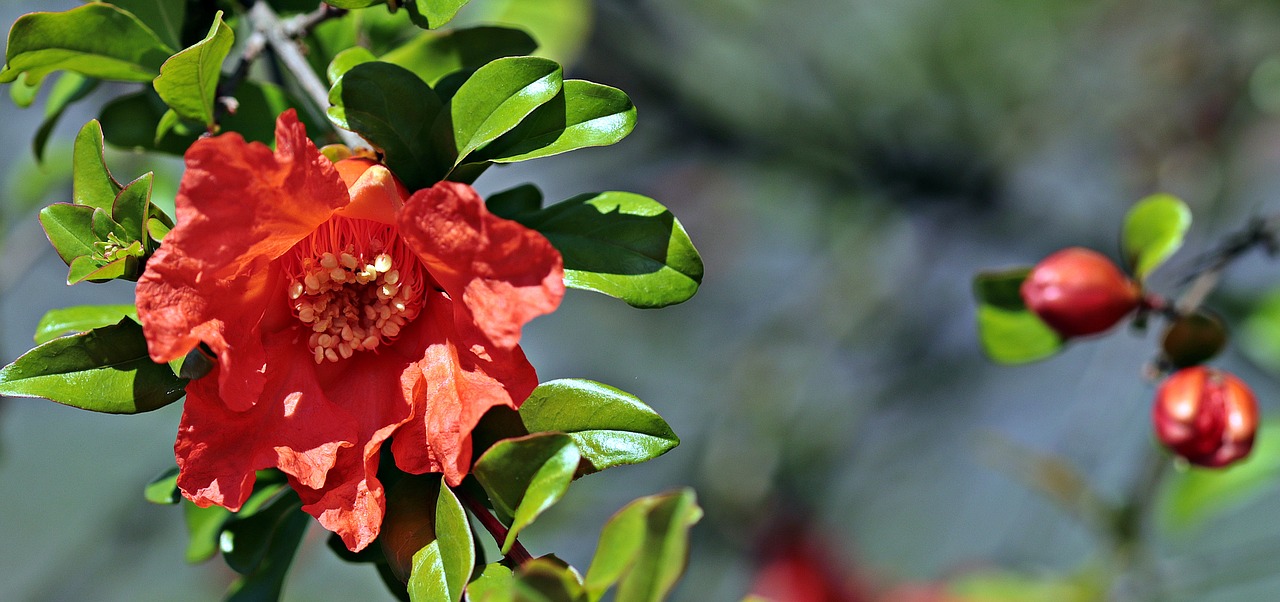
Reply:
x=1193, y=339
x=1205, y=415
x=1079, y=292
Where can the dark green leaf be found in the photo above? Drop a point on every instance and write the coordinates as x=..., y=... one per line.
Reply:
x=496, y=98
x=623, y=245
x=92, y=184
x=1001, y=289
x=430, y=14
x=433, y=55
x=57, y=322
x=131, y=121
x=131, y=207
x=526, y=475
x=97, y=40
x=164, y=17
x=70, y=88
x=245, y=540
x=1153, y=231
x=609, y=427
x=394, y=110
x=442, y=567
x=105, y=370
x=1193, y=495
x=513, y=202
x=644, y=548
x=354, y=3
x=583, y=114
x=164, y=488
x=341, y=64
x=189, y=79
x=545, y=580
x=267, y=582
x=69, y=229
x=203, y=527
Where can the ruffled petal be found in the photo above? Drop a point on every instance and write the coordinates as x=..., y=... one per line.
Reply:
x=462, y=378
x=503, y=273
x=375, y=193
x=239, y=207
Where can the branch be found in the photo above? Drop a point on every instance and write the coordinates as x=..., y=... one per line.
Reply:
x=282, y=38
x=518, y=553
x=1261, y=232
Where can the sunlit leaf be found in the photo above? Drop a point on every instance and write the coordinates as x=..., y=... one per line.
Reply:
x=582, y=115
x=338, y=67
x=1153, y=230
x=432, y=55
x=623, y=245
x=644, y=548
x=67, y=320
x=105, y=370
x=430, y=14
x=97, y=40
x=496, y=98
x=69, y=229
x=441, y=568
x=1009, y=332
x=164, y=17
x=92, y=184
x=188, y=81
x=610, y=427
x=526, y=475
x=164, y=488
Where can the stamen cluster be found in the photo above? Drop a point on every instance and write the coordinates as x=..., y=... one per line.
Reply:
x=355, y=286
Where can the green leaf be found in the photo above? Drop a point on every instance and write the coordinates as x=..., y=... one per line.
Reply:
x=267, y=581
x=104, y=370
x=164, y=17
x=95, y=270
x=70, y=88
x=92, y=184
x=609, y=427
x=493, y=584
x=23, y=93
x=245, y=540
x=1153, y=231
x=69, y=229
x=188, y=81
x=433, y=55
x=515, y=201
x=526, y=475
x=496, y=98
x=341, y=64
x=354, y=3
x=644, y=548
x=1005, y=586
x=441, y=568
x=164, y=488
x=545, y=580
x=131, y=207
x=97, y=40
x=584, y=114
x=57, y=322
x=157, y=229
x=1010, y=333
x=394, y=110
x=430, y=14
x=561, y=27
x=203, y=527
x=623, y=245
x=1194, y=495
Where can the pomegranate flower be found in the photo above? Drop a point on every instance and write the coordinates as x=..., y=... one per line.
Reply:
x=344, y=312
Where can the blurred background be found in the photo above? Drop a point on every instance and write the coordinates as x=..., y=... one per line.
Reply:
x=845, y=168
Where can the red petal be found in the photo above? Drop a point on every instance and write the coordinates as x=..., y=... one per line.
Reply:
x=462, y=378
x=239, y=208
x=503, y=273
x=375, y=193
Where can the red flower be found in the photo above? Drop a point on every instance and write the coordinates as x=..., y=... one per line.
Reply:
x=343, y=312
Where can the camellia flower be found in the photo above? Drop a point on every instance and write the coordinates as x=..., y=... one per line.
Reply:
x=343, y=312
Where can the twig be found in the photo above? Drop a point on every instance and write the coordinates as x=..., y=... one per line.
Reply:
x=518, y=553
x=1261, y=232
x=281, y=37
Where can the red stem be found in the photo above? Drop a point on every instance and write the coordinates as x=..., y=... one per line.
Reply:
x=518, y=553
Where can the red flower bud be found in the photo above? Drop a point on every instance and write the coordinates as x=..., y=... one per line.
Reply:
x=1205, y=415
x=1079, y=292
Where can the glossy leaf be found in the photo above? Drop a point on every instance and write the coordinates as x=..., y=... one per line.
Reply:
x=544, y=580
x=104, y=370
x=430, y=14
x=583, y=114
x=394, y=110
x=247, y=537
x=609, y=427
x=69, y=229
x=644, y=548
x=338, y=67
x=164, y=488
x=97, y=40
x=1194, y=495
x=203, y=527
x=1153, y=230
x=92, y=184
x=433, y=55
x=623, y=245
x=164, y=17
x=441, y=568
x=525, y=476
x=22, y=92
x=70, y=88
x=493, y=584
x=57, y=322
x=132, y=205
x=496, y=98
x=1009, y=332
x=188, y=81
x=509, y=203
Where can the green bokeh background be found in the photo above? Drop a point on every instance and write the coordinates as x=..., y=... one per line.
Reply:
x=844, y=166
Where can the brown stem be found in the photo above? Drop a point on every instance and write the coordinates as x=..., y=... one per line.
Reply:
x=1261, y=232
x=518, y=553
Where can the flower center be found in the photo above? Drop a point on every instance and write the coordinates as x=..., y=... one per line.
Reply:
x=354, y=284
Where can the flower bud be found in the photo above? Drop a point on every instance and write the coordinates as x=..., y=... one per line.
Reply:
x=1079, y=292
x=1205, y=415
x=1194, y=339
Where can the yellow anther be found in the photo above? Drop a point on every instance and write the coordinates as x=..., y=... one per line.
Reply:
x=295, y=289
x=345, y=350
x=319, y=355
x=307, y=314
x=338, y=275
x=382, y=263
x=325, y=340
x=348, y=261
x=313, y=283
x=331, y=355
x=328, y=261
x=392, y=277
x=369, y=342
x=391, y=329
